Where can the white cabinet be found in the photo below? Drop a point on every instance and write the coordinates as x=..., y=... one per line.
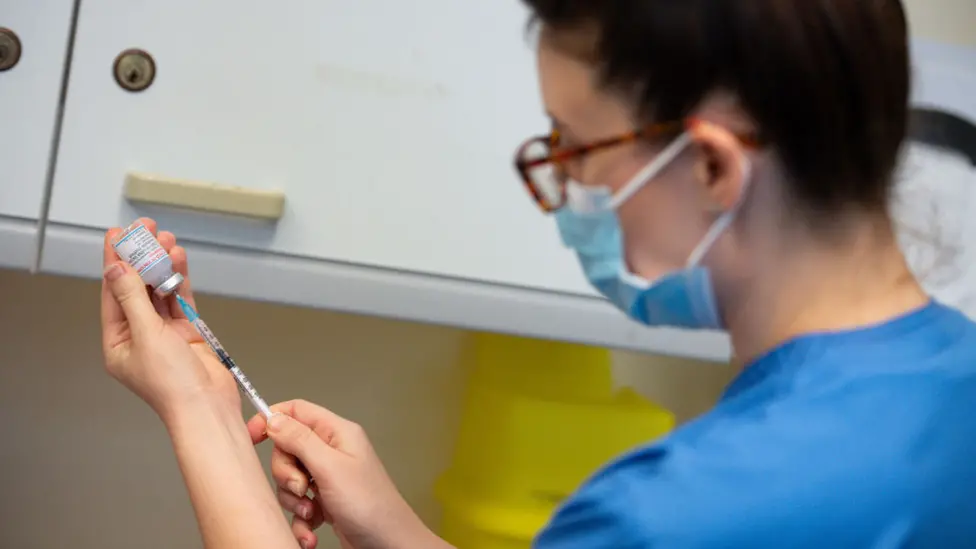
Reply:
x=390, y=128
x=390, y=133
x=33, y=43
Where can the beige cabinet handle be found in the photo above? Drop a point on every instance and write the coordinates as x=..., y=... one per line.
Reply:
x=207, y=197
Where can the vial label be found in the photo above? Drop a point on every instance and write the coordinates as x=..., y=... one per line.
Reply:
x=139, y=248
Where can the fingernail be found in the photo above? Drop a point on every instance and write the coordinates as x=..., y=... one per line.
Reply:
x=305, y=544
x=275, y=422
x=113, y=272
x=295, y=487
x=306, y=512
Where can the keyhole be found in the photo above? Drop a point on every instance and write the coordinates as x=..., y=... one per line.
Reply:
x=134, y=70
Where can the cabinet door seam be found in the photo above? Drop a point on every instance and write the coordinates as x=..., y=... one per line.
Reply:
x=52, y=161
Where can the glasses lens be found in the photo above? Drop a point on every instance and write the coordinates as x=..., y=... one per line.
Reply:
x=547, y=179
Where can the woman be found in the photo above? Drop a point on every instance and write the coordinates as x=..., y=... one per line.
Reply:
x=714, y=165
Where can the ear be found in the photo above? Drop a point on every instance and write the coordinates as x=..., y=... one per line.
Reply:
x=721, y=165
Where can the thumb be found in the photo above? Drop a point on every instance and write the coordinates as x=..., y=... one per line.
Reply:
x=129, y=291
x=299, y=440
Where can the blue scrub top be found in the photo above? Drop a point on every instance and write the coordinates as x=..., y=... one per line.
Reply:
x=857, y=439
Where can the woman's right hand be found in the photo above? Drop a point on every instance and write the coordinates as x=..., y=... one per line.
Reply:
x=150, y=346
x=352, y=491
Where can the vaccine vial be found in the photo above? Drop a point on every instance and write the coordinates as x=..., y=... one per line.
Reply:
x=139, y=248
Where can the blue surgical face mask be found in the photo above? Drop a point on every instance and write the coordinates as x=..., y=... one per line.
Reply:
x=589, y=225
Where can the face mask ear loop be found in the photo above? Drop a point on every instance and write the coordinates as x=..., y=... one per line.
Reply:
x=651, y=170
x=587, y=200
x=723, y=222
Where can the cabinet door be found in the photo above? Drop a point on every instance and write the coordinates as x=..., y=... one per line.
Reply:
x=390, y=128
x=33, y=43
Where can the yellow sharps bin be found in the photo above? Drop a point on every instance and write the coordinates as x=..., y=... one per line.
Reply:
x=539, y=417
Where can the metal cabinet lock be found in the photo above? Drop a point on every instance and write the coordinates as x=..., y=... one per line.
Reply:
x=10, y=49
x=134, y=70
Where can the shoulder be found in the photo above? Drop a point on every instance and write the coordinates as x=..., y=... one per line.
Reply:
x=677, y=493
x=867, y=447
x=753, y=482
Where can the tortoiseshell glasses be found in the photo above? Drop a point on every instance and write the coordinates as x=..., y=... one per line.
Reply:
x=541, y=163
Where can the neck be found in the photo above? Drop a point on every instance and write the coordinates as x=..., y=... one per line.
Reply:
x=798, y=290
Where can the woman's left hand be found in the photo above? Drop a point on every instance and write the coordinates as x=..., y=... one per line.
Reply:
x=149, y=345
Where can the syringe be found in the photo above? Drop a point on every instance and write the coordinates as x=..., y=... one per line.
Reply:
x=211, y=339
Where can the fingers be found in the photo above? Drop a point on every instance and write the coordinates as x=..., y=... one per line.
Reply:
x=308, y=517
x=297, y=439
x=177, y=253
x=320, y=508
x=167, y=240
x=304, y=533
x=303, y=508
x=287, y=474
x=308, y=514
x=129, y=294
x=324, y=422
x=181, y=265
x=336, y=431
x=112, y=313
x=257, y=427
x=113, y=317
x=108, y=253
x=150, y=224
x=159, y=304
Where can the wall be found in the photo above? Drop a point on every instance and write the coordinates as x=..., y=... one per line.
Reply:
x=85, y=465
x=950, y=21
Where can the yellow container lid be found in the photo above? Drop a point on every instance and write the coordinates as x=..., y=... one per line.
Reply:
x=540, y=368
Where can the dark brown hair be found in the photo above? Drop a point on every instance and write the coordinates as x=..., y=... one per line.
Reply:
x=826, y=81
